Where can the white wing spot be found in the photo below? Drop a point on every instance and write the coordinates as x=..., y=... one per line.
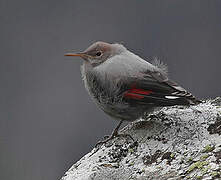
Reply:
x=171, y=97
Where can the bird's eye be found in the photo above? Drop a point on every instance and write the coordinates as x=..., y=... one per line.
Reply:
x=98, y=53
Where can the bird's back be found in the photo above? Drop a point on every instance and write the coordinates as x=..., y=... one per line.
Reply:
x=125, y=86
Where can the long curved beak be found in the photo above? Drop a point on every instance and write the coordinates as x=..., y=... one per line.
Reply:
x=82, y=55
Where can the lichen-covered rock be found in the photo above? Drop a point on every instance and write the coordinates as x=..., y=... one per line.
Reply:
x=174, y=143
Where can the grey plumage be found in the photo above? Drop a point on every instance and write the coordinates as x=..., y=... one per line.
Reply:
x=158, y=63
x=124, y=85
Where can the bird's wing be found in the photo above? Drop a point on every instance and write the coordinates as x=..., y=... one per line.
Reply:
x=154, y=88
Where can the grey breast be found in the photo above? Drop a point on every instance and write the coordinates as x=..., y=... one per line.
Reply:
x=107, y=94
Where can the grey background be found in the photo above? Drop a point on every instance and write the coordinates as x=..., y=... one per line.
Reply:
x=47, y=120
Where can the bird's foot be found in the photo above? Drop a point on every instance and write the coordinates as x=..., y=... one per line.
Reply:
x=112, y=136
x=149, y=116
x=115, y=134
x=152, y=116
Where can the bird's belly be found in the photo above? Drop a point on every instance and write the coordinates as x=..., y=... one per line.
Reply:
x=110, y=99
x=123, y=111
x=114, y=105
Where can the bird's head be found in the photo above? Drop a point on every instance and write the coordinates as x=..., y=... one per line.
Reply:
x=99, y=52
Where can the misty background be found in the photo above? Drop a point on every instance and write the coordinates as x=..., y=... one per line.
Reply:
x=47, y=119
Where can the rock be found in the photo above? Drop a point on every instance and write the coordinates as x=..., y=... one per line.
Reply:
x=174, y=143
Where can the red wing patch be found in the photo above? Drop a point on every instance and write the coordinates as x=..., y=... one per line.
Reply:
x=136, y=93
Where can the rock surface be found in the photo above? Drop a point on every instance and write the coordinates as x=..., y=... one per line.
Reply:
x=174, y=143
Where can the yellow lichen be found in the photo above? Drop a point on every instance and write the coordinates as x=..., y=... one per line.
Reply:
x=204, y=157
x=197, y=165
x=216, y=174
x=208, y=148
x=199, y=177
x=190, y=159
x=172, y=155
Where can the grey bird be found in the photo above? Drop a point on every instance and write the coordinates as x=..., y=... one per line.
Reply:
x=125, y=86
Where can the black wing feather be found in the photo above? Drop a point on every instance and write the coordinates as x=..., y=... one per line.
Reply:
x=161, y=88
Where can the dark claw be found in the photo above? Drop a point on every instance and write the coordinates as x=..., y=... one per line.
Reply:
x=113, y=136
x=103, y=142
x=126, y=136
x=152, y=116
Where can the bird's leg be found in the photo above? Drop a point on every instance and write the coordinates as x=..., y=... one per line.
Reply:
x=114, y=134
x=115, y=131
